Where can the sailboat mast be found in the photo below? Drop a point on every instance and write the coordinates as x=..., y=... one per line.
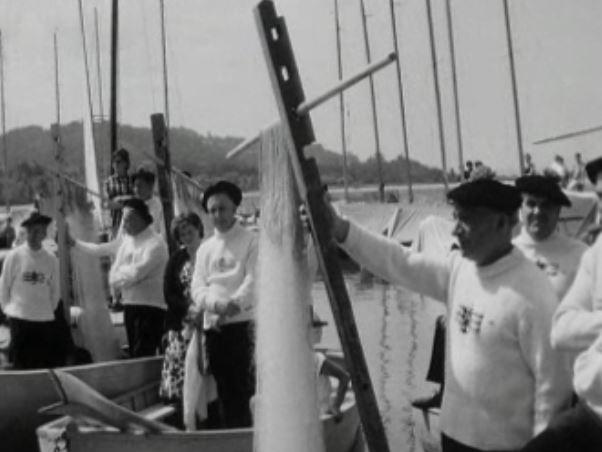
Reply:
x=381, y=183
x=429, y=14
x=337, y=27
x=86, y=67
x=4, y=139
x=519, y=133
x=98, y=71
x=402, y=108
x=452, y=52
x=65, y=288
x=164, y=54
x=114, y=64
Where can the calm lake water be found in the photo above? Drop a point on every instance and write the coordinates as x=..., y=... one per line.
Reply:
x=396, y=330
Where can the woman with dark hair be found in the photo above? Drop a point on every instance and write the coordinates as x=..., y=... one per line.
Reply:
x=187, y=231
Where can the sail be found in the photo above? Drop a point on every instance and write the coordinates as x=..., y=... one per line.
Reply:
x=90, y=163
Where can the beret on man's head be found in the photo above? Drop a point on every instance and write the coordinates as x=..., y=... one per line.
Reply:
x=34, y=218
x=140, y=207
x=592, y=168
x=543, y=186
x=223, y=186
x=488, y=193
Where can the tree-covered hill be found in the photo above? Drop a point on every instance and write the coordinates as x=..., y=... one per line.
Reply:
x=31, y=154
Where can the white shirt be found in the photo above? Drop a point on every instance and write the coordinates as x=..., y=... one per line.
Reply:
x=225, y=270
x=139, y=269
x=558, y=256
x=503, y=380
x=29, y=284
x=155, y=208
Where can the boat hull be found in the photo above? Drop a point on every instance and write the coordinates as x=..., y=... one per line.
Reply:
x=23, y=393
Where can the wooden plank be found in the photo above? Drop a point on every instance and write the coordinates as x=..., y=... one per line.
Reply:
x=288, y=90
x=164, y=174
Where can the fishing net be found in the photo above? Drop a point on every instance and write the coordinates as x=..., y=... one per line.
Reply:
x=286, y=408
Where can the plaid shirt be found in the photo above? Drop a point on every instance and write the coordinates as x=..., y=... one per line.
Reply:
x=117, y=186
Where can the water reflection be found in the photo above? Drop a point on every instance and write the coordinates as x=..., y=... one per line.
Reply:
x=395, y=327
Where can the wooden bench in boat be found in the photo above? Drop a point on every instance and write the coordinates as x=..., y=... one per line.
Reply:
x=80, y=400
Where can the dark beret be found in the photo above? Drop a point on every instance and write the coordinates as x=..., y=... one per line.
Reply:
x=140, y=207
x=592, y=168
x=145, y=175
x=544, y=187
x=488, y=193
x=225, y=187
x=36, y=218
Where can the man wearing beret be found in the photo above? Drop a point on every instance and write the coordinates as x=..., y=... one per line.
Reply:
x=222, y=287
x=552, y=251
x=503, y=380
x=29, y=296
x=138, y=273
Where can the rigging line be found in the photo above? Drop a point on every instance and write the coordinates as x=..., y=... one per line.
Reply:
x=175, y=81
x=568, y=135
x=152, y=79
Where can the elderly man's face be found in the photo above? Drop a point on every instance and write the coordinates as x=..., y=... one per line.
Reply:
x=221, y=210
x=133, y=223
x=481, y=233
x=539, y=216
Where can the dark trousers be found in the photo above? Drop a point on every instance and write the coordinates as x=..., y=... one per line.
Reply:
x=230, y=353
x=144, y=328
x=451, y=445
x=34, y=345
x=576, y=430
x=436, y=371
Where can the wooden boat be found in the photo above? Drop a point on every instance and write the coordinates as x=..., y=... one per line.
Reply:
x=426, y=428
x=129, y=433
x=23, y=393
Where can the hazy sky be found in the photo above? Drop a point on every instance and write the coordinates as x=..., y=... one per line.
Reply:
x=218, y=81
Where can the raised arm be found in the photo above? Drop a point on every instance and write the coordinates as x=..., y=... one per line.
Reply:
x=577, y=323
x=399, y=265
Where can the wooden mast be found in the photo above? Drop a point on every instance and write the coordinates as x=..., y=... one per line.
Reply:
x=519, y=133
x=337, y=26
x=114, y=65
x=288, y=90
x=440, y=131
x=402, y=108
x=4, y=138
x=381, y=182
x=452, y=52
x=165, y=84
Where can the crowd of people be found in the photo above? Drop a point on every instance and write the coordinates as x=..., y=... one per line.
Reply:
x=518, y=357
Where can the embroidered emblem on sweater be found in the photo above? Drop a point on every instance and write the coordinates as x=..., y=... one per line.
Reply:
x=550, y=268
x=34, y=277
x=224, y=264
x=469, y=319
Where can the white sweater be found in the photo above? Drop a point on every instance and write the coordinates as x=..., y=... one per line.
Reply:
x=558, y=256
x=503, y=381
x=110, y=248
x=29, y=284
x=224, y=270
x=578, y=320
x=139, y=269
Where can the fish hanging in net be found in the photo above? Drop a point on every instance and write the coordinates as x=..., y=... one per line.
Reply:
x=286, y=406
